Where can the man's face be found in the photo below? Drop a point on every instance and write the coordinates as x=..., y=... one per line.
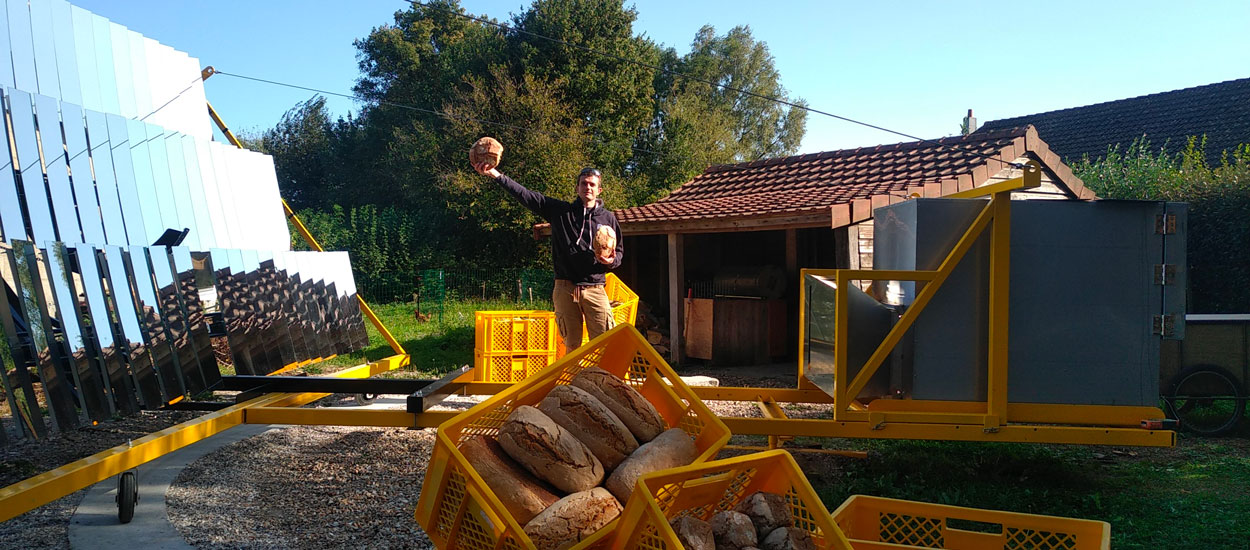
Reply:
x=588, y=189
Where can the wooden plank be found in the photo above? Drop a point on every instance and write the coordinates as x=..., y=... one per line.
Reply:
x=816, y=218
x=676, y=294
x=699, y=323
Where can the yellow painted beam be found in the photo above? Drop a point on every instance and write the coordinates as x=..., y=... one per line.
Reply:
x=1000, y=286
x=1015, y=433
x=337, y=416
x=783, y=395
x=836, y=452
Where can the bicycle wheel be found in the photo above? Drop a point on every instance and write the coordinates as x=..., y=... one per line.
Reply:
x=1206, y=399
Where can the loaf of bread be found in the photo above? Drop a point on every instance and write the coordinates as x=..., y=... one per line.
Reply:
x=788, y=538
x=767, y=511
x=733, y=530
x=522, y=494
x=548, y=451
x=638, y=414
x=670, y=449
x=572, y=519
x=486, y=150
x=694, y=533
x=590, y=421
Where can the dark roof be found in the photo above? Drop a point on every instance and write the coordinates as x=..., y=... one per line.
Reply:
x=819, y=189
x=1221, y=111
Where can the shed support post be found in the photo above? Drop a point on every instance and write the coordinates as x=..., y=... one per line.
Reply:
x=676, y=297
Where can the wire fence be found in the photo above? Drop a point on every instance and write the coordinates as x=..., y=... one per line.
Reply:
x=430, y=289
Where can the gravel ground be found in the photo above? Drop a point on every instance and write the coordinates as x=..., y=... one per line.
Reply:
x=307, y=486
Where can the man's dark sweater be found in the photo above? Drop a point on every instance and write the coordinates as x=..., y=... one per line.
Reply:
x=573, y=228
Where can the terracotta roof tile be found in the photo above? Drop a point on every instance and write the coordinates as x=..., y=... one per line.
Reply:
x=1221, y=111
x=816, y=181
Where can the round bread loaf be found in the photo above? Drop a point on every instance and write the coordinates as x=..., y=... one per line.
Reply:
x=548, y=451
x=733, y=530
x=521, y=493
x=487, y=150
x=670, y=449
x=638, y=414
x=605, y=242
x=572, y=519
x=788, y=538
x=694, y=533
x=767, y=511
x=590, y=421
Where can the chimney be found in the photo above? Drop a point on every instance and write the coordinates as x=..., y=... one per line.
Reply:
x=970, y=124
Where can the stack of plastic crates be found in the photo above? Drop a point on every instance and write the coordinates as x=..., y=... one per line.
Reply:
x=702, y=490
x=510, y=346
x=873, y=522
x=458, y=510
x=624, y=308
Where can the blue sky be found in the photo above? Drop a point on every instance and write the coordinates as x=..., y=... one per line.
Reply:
x=911, y=66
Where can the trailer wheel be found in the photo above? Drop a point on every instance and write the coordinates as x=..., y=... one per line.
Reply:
x=363, y=399
x=1206, y=399
x=127, y=496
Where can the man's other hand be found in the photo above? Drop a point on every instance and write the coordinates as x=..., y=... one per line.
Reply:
x=486, y=169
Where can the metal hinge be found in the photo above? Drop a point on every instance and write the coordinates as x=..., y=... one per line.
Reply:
x=1165, y=274
x=1165, y=325
x=1165, y=224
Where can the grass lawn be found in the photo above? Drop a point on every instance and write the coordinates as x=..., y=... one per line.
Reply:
x=1196, y=495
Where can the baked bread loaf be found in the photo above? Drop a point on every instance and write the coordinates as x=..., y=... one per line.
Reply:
x=767, y=511
x=590, y=421
x=605, y=242
x=487, y=150
x=694, y=533
x=522, y=494
x=548, y=451
x=670, y=449
x=733, y=530
x=638, y=414
x=572, y=519
x=788, y=538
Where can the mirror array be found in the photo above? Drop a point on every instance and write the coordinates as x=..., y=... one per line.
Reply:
x=90, y=331
x=68, y=53
x=139, y=258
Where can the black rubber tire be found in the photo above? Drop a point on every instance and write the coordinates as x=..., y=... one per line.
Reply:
x=1202, y=389
x=127, y=496
x=363, y=399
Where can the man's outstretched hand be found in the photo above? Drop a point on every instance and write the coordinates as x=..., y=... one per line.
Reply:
x=486, y=169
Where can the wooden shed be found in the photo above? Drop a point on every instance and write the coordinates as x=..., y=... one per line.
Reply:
x=707, y=257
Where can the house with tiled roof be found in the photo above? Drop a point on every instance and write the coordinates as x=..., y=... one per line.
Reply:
x=806, y=211
x=1219, y=111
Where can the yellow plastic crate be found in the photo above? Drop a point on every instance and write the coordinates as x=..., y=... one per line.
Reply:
x=874, y=522
x=702, y=490
x=514, y=332
x=509, y=367
x=458, y=510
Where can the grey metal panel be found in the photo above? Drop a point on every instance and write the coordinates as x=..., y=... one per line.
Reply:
x=269, y=206
x=85, y=196
x=1081, y=304
x=6, y=61
x=197, y=200
x=124, y=179
x=103, y=36
x=88, y=367
x=84, y=47
x=66, y=52
x=213, y=181
x=184, y=206
x=105, y=182
x=1175, y=254
x=31, y=185
x=130, y=334
x=871, y=323
x=45, y=48
x=146, y=204
x=138, y=65
x=188, y=280
x=12, y=222
x=227, y=193
x=22, y=46
x=120, y=383
x=174, y=319
x=64, y=211
x=156, y=336
x=118, y=37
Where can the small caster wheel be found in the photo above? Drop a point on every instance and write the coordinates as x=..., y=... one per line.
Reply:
x=127, y=496
x=363, y=399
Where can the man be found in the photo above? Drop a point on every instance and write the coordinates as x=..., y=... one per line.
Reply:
x=579, y=294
